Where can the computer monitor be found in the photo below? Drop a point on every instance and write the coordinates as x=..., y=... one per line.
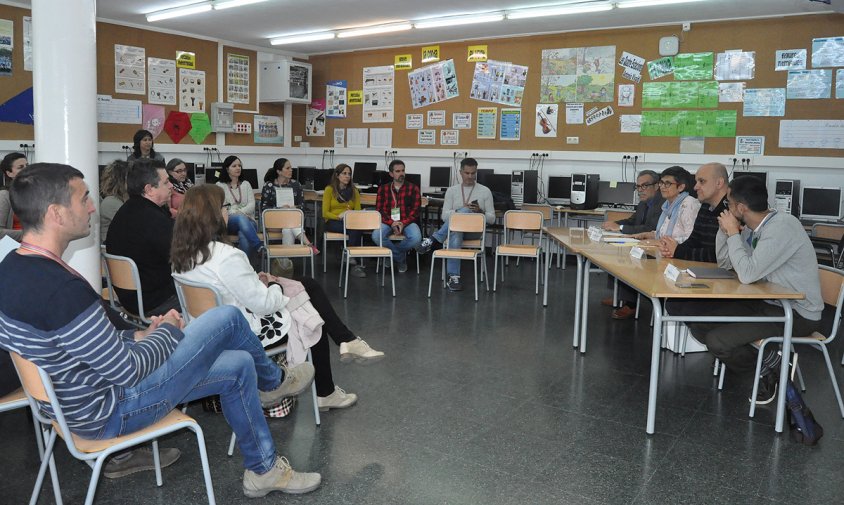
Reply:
x=499, y=183
x=612, y=192
x=440, y=177
x=322, y=178
x=482, y=175
x=414, y=178
x=250, y=175
x=820, y=203
x=305, y=175
x=212, y=175
x=364, y=173
x=559, y=190
x=760, y=175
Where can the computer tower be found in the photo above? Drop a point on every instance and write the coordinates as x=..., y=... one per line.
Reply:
x=523, y=186
x=199, y=173
x=584, y=191
x=787, y=196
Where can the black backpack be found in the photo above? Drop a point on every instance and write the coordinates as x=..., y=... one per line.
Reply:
x=804, y=428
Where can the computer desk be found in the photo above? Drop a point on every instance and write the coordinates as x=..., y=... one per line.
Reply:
x=646, y=276
x=582, y=216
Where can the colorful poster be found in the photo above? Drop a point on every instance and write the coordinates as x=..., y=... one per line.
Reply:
x=186, y=59
x=335, y=99
x=546, y=119
x=162, y=81
x=426, y=137
x=436, y=118
x=487, y=119
x=449, y=137
x=828, y=52
x=430, y=54
x=511, y=124
x=809, y=84
x=499, y=82
x=693, y=66
x=689, y=123
x=461, y=120
x=267, y=129
x=191, y=90
x=315, y=119
x=679, y=95
x=790, y=59
x=153, y=119
x=761, y=102
x=237, y=73
x=661, y=67
x=378, y=93
x=432, y=84
x=414, y=121
x=355, y=97
x=632, y=66
x=129, y=70
x=578, y=74
x=735, y=66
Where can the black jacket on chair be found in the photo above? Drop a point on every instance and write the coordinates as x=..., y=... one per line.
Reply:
x=646, y=216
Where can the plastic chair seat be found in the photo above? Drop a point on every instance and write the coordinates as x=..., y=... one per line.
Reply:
x=289, y=251
x=368, y=251
x=91, y=446
x=518, y=250
x=456, y=253
x=13, y=400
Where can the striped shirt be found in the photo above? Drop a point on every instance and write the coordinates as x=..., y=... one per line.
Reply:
x=54, y=319
x=700, y=246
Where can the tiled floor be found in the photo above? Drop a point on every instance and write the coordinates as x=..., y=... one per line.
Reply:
x=487, y=403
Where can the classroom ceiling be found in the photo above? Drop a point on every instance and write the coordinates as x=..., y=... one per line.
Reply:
x=255, y=24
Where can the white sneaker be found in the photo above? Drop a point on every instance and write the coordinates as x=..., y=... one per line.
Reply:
x=358, y=350
x=358, y=271
x=339, y=399
x=280, y=478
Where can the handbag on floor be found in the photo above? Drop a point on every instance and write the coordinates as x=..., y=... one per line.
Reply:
x=804, y=428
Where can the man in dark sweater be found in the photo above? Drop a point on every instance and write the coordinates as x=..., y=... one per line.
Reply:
x=142, y=230
x=711, y=186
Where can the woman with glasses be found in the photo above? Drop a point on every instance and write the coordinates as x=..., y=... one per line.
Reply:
x=680, y=208
x=178, y=172
x=341, y=196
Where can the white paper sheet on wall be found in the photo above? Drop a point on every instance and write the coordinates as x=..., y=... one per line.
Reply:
x=357, y=137
x=381, y=137
x=812, y=134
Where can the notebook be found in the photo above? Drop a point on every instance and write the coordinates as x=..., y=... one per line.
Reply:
x=710, y=273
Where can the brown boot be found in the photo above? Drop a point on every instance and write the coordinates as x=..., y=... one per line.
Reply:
x=623, y=312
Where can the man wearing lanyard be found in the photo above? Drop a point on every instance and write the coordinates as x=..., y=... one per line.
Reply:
x=398, y=202
x=111, y=382
x=466, y=197
x=758, y=244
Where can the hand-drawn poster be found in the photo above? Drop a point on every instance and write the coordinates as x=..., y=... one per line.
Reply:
x=578, y=74
x=694, y=66
x=191, y=90
x=335, y=99
x=433, y=84
x=661, y=67
x=735, y=66
x=378, y=93
x=237, y=69
x=267, y=129
x=499, y=81
x=27, y=43
x=626, y=92
x=546, y=119
x=162, y=81
x=129, y=70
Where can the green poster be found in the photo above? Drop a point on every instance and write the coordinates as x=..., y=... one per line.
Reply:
x=684, y=95
x=661, y=67
x=708, y=95
x=693, y=66
x=689, y=123
x=680, y=95
x=654, y=94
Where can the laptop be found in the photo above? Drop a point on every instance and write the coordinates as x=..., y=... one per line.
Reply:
x=710, y=273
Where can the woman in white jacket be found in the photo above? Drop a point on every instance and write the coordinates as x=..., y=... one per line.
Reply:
x=198, y=254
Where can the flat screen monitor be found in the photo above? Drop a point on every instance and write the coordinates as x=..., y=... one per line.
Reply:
x=364, y=173
x=213, y=174
x=499, y=183
x=322, y=178
x=483, y=173
x=304, y=174
x=250, y=175
x=440, y=177
x=759, y=175
x=820, y=204
x=616, y=192
x=559, y=188
x=414, y=178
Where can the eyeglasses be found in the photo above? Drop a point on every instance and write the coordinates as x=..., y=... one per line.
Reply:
x=179, y=171
x=646, y=186
x=667, y=184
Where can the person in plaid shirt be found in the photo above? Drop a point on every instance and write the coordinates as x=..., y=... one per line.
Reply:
x=398, y=202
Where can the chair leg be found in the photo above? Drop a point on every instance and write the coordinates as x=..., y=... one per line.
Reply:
x=317, y=418
x=721, y=377
x=156, y=459
x=538, y=261
x=42, y=470
x=324, y=254
x=756, y=373
x=392, y=276
x=684, y=340
x=346, y=288
x=95, y=479
x=203, y=458
x=484, y=271
x=475, y=275
x=431, y=276
x=615, y=292
x=495, y=273
x=342, y=264
x=833, y=379
x=232, y=441
x=417, y=263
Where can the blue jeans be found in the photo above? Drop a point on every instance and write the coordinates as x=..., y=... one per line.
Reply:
x=246, y=231
x=455, y=241
x=219, y=355
x=412, y=238
x=336, y=226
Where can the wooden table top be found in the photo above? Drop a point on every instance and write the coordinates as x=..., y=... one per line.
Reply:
x=646, y=274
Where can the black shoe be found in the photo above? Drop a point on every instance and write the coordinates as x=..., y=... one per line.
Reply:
x=425, y=246
x=454, y=283
x=767, y=389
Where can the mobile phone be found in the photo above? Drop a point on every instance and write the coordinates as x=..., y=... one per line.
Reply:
x=474, y=202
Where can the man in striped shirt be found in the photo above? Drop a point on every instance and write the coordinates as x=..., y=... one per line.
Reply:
x=111, y=382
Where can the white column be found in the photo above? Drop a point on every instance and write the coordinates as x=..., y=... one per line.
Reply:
x=64, y=79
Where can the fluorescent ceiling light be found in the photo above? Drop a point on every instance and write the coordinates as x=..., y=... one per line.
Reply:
x=187, y=10
x=460, y=20
x=304, y=37
x=559, y=10
x=372, y=30
x=228, y=4
x=652, y=3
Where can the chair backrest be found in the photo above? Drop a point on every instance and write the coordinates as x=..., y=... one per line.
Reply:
x=30, y=378
x=828, y=231
x=832, y=291
x=122, y=273
x=546, y=210
x=362, y=220
x=196, y=298
x=524, y=220
x=468, y=223
x=277, y=219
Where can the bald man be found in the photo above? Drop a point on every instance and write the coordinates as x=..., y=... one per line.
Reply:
x=711, y=186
